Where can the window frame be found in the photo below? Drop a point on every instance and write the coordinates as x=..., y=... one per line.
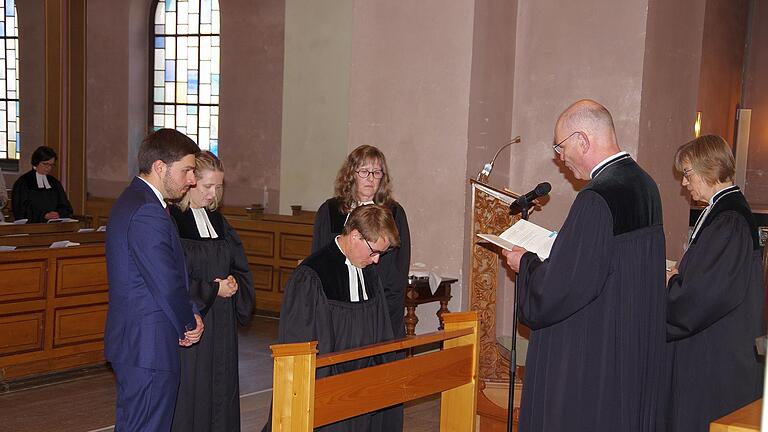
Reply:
x=151, y=74
x=9, y=164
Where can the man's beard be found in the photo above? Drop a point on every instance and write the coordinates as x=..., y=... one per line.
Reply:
x=174, y=190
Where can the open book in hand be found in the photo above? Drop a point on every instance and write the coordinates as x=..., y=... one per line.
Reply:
x=527, y=235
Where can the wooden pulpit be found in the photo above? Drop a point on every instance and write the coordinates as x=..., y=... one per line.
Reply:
x=490, y=215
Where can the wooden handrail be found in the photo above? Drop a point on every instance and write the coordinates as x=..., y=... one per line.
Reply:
x=385, y=347
x=301, y=402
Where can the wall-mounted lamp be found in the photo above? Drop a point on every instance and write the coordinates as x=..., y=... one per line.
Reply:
x=697, y=124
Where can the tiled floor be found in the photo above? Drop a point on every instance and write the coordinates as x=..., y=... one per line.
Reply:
x=86, y=403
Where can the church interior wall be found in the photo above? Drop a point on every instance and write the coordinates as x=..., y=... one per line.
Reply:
x=437, y=86
x=756, y=98
x=490, y=113
x=722, y=60
x=409, y=95
x=670, y=84
x=31, y=81
x=318, y=44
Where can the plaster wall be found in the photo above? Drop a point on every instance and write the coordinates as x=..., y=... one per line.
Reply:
x=116, y=98
x=756, y=98
x=409, y=95
x=669, y=95
x=722, y=59
x=318, y=41
x=250, y=124
x=567, y=51
x=251, y=100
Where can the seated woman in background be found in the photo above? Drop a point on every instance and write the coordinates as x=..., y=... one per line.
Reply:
x=364, y=178
x=715, y=299
x=221, y=285
x=37, y=195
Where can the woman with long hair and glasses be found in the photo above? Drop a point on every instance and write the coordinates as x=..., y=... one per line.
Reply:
x=364, y=178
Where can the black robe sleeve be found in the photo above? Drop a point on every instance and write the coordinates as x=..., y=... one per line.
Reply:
x=63, y=206
x=321, y=231
x=299, y=307
x=394, y=274
x=203, y=293
x=711, y=282
x=245, y=296
x=576, y=270
x=21, y=201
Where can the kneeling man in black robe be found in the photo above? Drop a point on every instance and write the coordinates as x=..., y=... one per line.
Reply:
x=335, y=297
x=596, y=305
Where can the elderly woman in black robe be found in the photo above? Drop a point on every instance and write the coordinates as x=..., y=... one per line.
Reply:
x=715, y=298
x=37, y=195
x=221, y=285
x=364, y=178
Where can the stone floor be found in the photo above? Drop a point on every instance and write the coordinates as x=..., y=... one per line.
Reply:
x=84, y=402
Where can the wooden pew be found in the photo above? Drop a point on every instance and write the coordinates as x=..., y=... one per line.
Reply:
x=39, y=228
x=45, y=240
x=301, y=402
x=53, y=306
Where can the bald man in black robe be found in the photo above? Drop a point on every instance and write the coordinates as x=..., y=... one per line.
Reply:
x=596, y=305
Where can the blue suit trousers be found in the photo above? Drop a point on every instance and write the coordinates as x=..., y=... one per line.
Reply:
x=146, y=398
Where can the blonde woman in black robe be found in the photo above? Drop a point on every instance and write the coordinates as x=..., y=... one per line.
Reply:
x=221, y=285
x=715, y=298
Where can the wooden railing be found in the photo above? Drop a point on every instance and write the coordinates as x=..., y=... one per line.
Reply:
x=302, y=403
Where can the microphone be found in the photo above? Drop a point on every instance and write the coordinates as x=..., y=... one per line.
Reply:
x=522, y=203
x=482, y=176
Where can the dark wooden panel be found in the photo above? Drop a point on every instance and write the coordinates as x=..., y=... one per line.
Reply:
x=262, y=277
x=293, y=246
x=79, y=324
x=259, y=243
x=21, y=333
x=22, y=280
x=81, y=275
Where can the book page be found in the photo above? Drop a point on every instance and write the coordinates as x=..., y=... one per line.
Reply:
x=527, y=235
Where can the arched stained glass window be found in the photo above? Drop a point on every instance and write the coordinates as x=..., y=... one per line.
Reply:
x=9, y=81
x=185, y=69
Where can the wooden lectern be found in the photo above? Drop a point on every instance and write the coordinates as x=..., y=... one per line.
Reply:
x=490, y=215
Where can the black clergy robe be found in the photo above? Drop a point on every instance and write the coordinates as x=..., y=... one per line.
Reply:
x=392, y=267
x=714, y=314
x=596, y=311
x=209, y=392
x=316, y=307
x=31, y=202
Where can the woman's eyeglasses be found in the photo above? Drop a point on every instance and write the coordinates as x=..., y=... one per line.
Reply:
x=364, y=173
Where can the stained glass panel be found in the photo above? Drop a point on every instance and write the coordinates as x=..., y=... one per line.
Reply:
x=9, y=81
x=186, y=69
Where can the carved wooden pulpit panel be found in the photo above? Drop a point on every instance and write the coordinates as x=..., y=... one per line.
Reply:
x=490, y=215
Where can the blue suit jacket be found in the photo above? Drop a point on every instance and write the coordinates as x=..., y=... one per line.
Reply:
x=149, y=305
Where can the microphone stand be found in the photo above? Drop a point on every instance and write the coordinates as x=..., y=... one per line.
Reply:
x=524, y=205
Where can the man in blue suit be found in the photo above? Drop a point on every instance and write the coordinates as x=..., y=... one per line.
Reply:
x=150, y=314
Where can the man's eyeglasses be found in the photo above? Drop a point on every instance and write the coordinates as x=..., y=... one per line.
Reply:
x=375, y=252
x=364, y=173
x=687, y=173
x=557, y=147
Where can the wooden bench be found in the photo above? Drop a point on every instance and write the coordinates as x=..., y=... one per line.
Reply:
x=45, y=240
x=39, y=228
x=53, y=305
x=301, y=402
